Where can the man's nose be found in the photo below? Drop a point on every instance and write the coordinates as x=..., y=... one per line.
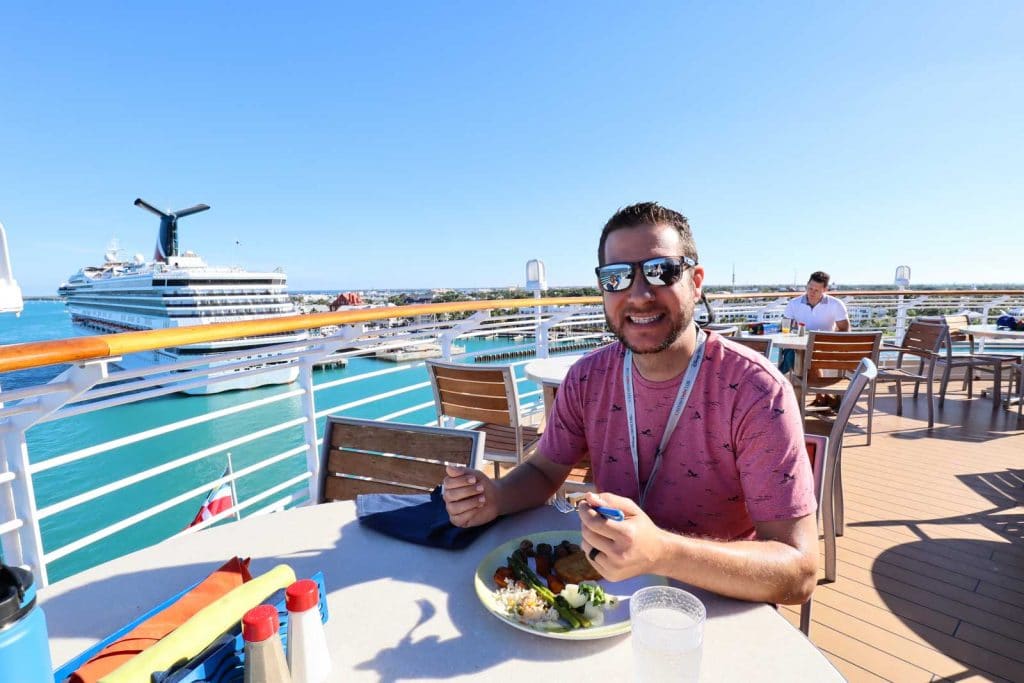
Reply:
x=641, y=289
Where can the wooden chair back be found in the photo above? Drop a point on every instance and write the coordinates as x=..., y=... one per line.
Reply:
x=366, y=456
x=925, y=337
x=956, y=323
x=840, y=351
x=762, y=345
x=817, y=451
x=484, y=393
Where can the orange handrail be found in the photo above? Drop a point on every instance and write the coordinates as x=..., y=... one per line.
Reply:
x=37, y=354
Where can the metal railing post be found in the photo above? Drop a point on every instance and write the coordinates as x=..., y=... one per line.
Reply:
x=544, y=331
x=988, y=307
x=901, y=319
x=27, y=549
x=448, y=337
x=309, y=430
x=308, y=400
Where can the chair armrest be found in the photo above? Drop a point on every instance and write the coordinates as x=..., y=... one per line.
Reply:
x=922, y=353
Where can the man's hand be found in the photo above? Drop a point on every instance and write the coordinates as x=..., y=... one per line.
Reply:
x=470, y=497
x=620, y=550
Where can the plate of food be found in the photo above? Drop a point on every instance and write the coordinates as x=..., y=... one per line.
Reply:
x=544, y=584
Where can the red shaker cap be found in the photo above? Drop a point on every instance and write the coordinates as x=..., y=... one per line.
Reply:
x=302, y=595
x=259, y=623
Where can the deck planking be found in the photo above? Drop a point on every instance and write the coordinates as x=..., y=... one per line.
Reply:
x=931, y=566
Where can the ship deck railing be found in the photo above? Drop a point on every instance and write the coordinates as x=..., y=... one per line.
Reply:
x=71, y=498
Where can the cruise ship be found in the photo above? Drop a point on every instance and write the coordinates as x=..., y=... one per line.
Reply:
x=177, y=290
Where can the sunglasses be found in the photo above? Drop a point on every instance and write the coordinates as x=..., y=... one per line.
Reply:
x=660, y=271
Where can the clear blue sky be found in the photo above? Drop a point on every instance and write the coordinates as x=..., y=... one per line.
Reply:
x=420, y=144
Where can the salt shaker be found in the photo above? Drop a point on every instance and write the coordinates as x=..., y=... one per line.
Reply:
x=264, y=655
x=308, y=656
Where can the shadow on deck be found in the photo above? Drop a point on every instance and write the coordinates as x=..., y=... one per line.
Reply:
x=931, y=567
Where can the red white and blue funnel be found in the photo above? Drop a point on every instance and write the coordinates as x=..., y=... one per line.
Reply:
x=167, y=240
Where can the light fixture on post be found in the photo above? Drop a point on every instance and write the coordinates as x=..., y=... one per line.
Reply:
x=537, y=282
x=902, y=279
x=536, y=277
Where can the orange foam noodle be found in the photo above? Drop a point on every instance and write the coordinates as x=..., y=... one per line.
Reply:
x=229, y=576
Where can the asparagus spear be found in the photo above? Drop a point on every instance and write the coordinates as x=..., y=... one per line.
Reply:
x=521, y=568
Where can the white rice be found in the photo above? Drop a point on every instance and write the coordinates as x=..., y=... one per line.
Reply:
x=524, y=605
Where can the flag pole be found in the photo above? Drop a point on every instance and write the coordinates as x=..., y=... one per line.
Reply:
x=234, y=491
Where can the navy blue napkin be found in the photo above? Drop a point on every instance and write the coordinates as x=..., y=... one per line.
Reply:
x=418, y=518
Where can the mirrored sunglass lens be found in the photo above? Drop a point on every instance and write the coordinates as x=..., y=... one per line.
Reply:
x=662, y=271
x=615, y=277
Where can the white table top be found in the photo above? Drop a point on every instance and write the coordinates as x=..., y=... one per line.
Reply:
x=404, y=612
x=550, y=370
x=787, y=341
x=990, y=332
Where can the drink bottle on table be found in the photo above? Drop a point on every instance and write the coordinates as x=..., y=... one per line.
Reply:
x=24, y=646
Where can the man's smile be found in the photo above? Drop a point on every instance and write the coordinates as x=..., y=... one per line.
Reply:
x=648, y=319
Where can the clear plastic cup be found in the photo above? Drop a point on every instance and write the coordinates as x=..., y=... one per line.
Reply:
x=667, y=634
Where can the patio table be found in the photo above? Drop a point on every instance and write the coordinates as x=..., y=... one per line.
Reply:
x=404, y=612
x=549, y=374
x=983, y=332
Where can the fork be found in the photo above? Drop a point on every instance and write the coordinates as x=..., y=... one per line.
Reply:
x=564, y=505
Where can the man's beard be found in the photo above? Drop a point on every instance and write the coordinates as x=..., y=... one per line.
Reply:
x=674, y=333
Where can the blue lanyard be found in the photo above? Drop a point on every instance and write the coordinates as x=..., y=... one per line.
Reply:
x=682, y=396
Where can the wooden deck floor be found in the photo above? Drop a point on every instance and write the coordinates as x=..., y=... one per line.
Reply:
x=931, y=567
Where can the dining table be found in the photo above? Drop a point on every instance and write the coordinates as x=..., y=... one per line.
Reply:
x=549, y=374
x=400, y=611
x=983, y=332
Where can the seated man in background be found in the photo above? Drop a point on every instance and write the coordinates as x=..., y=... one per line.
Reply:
x=696, y=439
x=816, y=310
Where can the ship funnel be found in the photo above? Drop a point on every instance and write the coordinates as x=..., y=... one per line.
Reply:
x=167, y=240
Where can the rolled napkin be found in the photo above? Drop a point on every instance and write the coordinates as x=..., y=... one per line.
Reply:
x=229, y=576
x=419, y=518
x=203, y=628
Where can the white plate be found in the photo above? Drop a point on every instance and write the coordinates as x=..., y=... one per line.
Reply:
x=616, y=619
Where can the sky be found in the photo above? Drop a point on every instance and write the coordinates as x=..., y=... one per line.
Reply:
x=445, y=144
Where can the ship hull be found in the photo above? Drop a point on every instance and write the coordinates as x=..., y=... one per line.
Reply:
x=218, y=382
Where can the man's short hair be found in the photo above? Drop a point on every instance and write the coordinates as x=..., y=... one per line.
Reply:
x=821, y=277
x=648, y=213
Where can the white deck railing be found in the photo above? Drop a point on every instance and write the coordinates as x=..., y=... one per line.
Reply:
x=92, y=463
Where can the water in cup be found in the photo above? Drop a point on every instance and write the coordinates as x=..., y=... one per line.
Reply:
x=668, y=632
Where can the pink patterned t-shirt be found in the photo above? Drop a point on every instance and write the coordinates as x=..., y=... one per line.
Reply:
x=736, y=457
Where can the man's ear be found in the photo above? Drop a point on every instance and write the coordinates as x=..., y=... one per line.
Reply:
x=698, y=281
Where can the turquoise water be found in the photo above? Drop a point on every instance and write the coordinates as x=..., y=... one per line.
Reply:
x=48, y=320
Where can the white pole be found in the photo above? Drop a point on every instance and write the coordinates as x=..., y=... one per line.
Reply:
x=234, y=491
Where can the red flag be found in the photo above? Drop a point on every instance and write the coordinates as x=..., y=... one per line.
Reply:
x=218, y=501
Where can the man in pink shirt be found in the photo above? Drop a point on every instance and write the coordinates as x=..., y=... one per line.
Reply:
x=697, y=440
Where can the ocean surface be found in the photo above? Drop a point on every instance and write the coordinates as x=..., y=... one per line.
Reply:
x=42, y=320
